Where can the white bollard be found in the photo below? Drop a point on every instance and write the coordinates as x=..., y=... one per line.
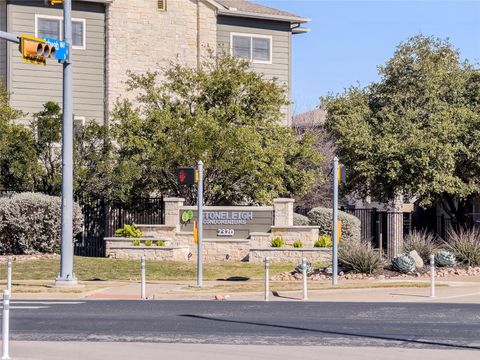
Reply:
x=432, y=275
x=142, y=267
x=9, y=274
x=304, y=276
x=5, y=324
x=267, y=278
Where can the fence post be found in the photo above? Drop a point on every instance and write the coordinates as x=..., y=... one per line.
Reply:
x=5, y=324
x=304, y=273
x=142, y=267
x=9, y=274
x=432, y=275
x=267, y=276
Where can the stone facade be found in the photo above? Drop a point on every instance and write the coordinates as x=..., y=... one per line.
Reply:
x=153, y=38
x=318, y=256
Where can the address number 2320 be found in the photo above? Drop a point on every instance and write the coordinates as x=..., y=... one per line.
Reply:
x=225, y=232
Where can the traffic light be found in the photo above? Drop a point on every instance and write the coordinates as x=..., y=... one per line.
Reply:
x=52, y=2
x=186, y=176
x=35, y=50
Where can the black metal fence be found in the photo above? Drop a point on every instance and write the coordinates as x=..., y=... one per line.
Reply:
x=102, y=218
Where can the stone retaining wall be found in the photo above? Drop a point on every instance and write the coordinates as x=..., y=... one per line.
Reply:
x=316, y=255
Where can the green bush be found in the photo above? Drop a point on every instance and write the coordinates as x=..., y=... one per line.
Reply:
x=277, y=242
x=130, y=231
x=136, y=242
x=300, y=220
x=322, y=217
x=324, y=241
x=298, y=244
x=31, y=222
x=423, y=242
x=148, y=242
x=160, y=243
x=465, y=245
x=359, y=257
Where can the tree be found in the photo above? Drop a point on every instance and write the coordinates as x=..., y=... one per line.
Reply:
x=223, y=114
x=416, y=131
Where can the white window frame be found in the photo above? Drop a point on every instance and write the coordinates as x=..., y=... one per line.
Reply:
x=79, y=118
x=251, y=36
x=60, y=18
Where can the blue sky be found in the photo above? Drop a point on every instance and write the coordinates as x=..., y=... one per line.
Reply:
x=349, y=39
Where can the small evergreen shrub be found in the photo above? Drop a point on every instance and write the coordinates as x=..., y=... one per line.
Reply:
x=136, y=242
x=445, y=258
x=324, y=241
x=322, y=217
x=300, y=220
x=308, y=267
x=423, y=242
x=359, y=257
x=277, y=242
x=160, y=243
x=465, y=245
x=130, y=231
x=148, y=242
x=298, y=244
x=403, y=263
x=31, y=223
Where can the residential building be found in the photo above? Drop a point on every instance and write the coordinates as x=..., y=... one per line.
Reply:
x=111, y=37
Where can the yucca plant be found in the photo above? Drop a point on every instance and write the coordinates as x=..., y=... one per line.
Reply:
x=465, y=245
x=359, y=257
x=403, y=263
x=423, y=242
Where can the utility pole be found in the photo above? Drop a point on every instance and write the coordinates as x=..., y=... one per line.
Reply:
x=335, y=223
x=67, y=277
x=200, y=225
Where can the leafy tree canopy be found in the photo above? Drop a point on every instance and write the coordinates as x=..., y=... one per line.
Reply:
x=414, y=132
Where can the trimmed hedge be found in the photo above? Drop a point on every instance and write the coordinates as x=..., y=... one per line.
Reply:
x=30, y=223
x=322, y=217
x=300, y=220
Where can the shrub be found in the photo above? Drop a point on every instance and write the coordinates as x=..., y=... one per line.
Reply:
x=423, y=242
x=299, y=267
x=130, y=231
x=160, y=243
x=465, y=244
x=300, y=220
x=136, y=242
x=298, y=244
x=277, y=242
x=324, y=241
x=403, y=263
x=445, y=258
x=148, y=242
x=31, y=223
x=322, y=217
x=359, y=257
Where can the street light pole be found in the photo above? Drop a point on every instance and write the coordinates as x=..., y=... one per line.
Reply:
x=67, y=277
x=335, y=223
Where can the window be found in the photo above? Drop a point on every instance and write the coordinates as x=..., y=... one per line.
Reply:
x=254, y=48
x=52, y=27
x=78, y=123
x=162, y=5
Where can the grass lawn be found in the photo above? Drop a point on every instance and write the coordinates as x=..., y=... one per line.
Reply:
x=111, y=269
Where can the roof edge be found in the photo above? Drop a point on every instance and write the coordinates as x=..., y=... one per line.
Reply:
x=290, y=19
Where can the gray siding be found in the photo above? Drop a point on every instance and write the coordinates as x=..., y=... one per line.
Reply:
x=280, y=32
x=3, y=43
x=32, y=85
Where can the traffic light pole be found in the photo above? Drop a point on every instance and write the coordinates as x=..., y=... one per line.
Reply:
x=67, y=277
x=9, y=37
x=335, y=223
x=200, y=225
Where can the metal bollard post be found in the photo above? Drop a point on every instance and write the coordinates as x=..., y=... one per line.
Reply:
x=9, y=274
x=304, y=276
x=432, y=275
x=267, y=278
x=142, y=267
x=5, y=324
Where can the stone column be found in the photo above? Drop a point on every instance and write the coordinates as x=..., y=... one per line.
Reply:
x=395, y=227
x=172, y=211
x=283, y=212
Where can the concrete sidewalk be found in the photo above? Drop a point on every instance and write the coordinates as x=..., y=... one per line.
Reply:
x=454, y=291
x=127, y=351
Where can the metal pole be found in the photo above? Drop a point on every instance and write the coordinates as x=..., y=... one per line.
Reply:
x=304, y=275
x=200, y=225
x=5, y=324
x=335, y=222
x=9, y=37
x=67, y=277
x=142, y=268
x=267, y=278
x=432, y=275
x=9, y=274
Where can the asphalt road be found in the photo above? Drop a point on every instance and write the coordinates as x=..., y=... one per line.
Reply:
x=418, y=325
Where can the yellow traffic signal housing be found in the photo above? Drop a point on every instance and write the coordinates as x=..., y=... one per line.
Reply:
x=35, y=50
x=53, y=2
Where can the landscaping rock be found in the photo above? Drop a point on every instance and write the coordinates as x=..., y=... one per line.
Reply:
x=418, y=260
